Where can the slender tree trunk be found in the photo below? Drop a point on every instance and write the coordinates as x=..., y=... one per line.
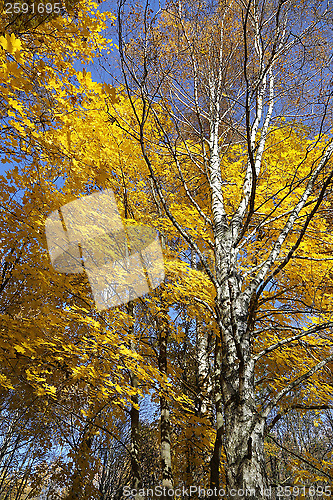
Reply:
x=135, y=420
x=135, y=437
x=166, y=463
x=205, y=386
x=204, y=379
x=202, y=358
x=216, y=457
x=163, y=332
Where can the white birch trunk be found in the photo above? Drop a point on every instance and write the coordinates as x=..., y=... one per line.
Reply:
x=203, y=369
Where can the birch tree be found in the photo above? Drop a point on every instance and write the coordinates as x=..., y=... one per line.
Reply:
x=226, y=85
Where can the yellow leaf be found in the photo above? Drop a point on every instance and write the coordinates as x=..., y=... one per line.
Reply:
x=10, y=43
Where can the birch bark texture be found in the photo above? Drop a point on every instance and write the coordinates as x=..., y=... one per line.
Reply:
x=214, y=77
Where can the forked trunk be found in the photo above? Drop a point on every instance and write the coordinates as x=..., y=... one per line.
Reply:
x=243, y=432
